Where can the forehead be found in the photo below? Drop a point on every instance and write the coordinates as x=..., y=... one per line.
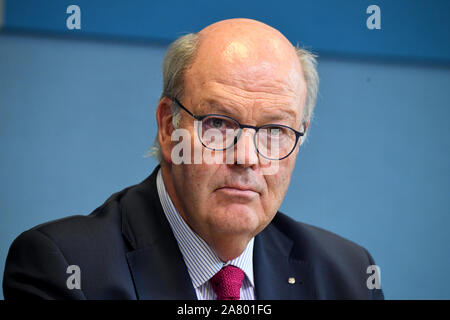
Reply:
x=246, y=59
x=250, y=91
x=244, y=71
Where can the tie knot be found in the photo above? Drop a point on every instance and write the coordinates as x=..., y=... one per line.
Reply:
x=227, y=283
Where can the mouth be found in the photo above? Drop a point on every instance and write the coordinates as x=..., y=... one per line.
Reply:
x=238, y=191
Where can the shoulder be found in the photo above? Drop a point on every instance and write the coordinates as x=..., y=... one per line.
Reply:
x=81, y=237
x=74, y=238
x=321, y=247
x=301, y=232
x=340, y=266
x=37, y=261
x=101, y=224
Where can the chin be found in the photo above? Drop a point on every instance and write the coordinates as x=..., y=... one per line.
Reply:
x=236, y=218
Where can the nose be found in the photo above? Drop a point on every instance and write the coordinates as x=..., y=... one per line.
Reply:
x=245, y=153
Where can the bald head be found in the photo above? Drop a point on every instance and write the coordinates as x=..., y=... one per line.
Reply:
x=246, y=51
x=245, y=38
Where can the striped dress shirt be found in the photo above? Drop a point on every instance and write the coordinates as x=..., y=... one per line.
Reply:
x=201, y=261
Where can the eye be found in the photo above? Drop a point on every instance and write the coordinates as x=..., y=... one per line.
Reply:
x=216, y=122
x=213, y=123
x=220, y=123
x=278, y=133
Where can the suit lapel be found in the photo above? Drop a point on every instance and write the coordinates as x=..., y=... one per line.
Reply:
x=155, y=261
x=274, y=267
x=159, y=273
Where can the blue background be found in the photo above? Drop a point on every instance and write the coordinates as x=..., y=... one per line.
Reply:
x=77, y=117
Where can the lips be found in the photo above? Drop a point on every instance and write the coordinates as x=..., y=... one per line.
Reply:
x=239, y=191
x=239, y=187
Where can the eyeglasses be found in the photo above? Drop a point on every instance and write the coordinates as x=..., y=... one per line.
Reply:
x=220, y=132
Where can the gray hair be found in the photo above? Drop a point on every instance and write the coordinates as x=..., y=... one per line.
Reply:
x=180, y=56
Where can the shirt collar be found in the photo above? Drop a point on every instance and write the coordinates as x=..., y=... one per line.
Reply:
x=201, y=261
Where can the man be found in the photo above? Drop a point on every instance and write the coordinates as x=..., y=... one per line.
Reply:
x=239, y=93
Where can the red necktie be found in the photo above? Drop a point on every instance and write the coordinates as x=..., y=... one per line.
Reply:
x=227, y=283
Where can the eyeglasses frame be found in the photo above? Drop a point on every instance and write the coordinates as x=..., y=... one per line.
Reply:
x=298, y=134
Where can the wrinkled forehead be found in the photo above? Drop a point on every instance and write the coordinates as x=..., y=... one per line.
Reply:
x=257, y=66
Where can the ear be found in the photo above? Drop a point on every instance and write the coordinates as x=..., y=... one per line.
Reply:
x=165, y=128
x=306, y=125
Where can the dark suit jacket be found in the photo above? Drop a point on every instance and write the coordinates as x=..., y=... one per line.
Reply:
x=126, y=250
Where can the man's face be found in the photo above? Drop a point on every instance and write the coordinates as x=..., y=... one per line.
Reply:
x=256, y=85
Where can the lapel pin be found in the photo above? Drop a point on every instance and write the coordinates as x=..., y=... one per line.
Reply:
x=291, y=280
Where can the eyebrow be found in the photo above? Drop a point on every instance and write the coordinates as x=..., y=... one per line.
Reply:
x=221, y=108
x=227, y=109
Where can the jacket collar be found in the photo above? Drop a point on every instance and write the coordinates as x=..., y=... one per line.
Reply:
x=156, y=263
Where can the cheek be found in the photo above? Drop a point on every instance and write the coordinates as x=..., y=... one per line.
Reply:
x=198, y=181
x=277, y=186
